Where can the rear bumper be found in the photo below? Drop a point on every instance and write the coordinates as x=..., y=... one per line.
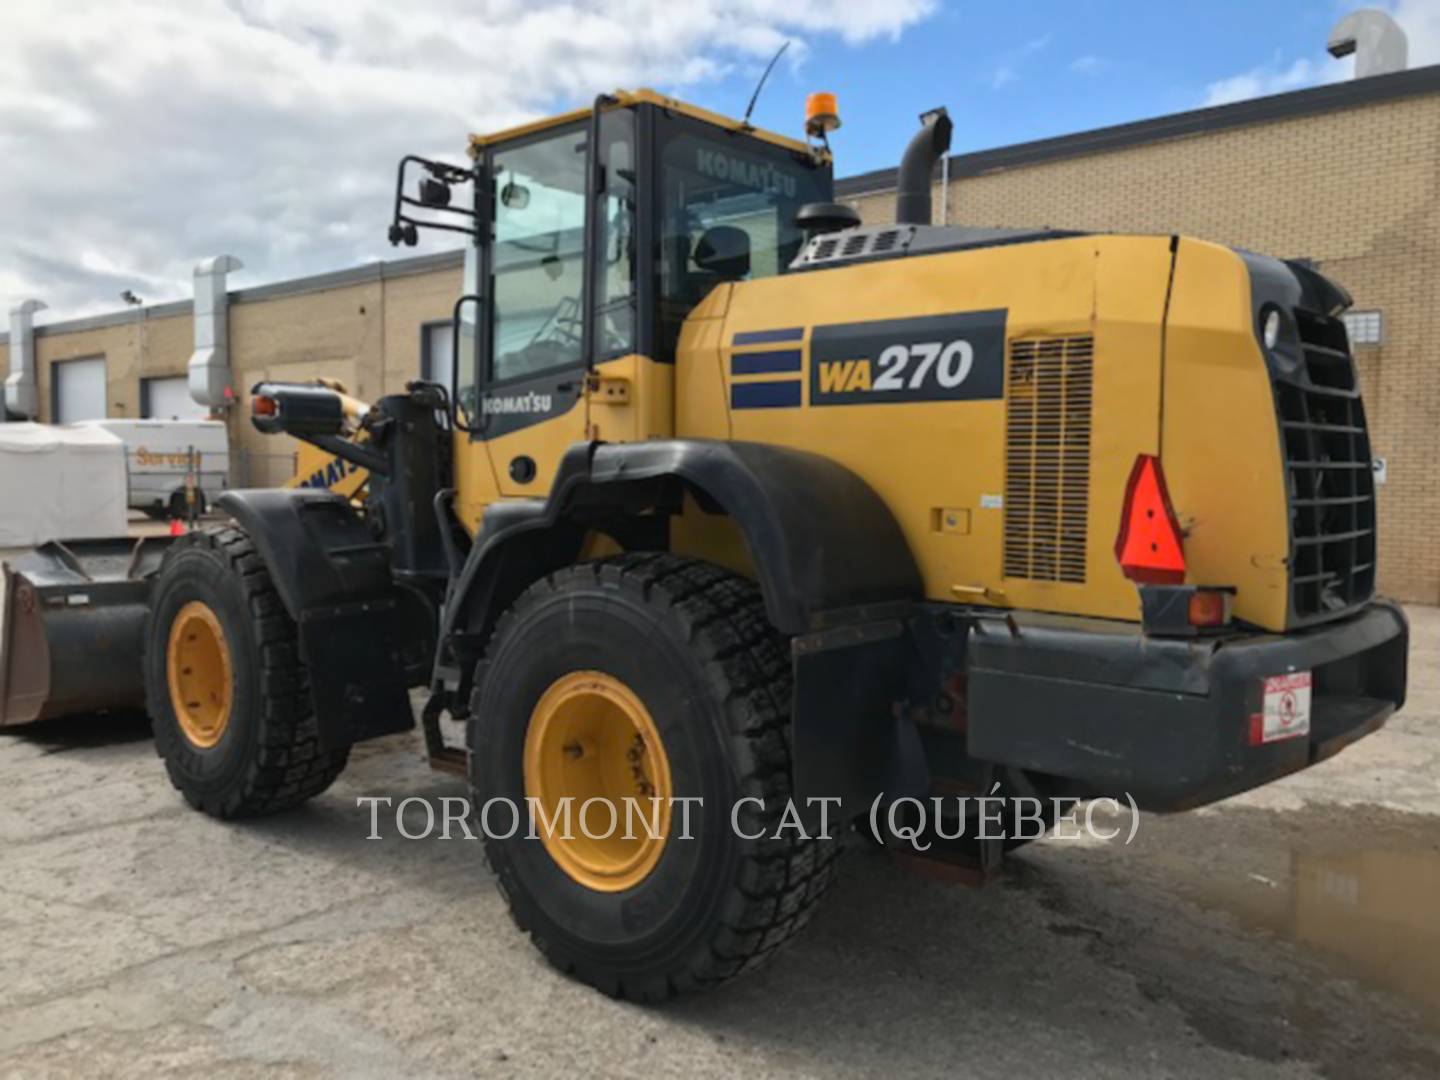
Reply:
x=1166, y=721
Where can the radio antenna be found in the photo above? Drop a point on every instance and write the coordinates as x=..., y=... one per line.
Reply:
x=761, y=84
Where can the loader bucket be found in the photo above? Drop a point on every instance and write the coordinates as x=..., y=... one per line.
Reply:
x=72, y=623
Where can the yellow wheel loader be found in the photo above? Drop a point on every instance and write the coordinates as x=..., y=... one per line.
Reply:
x=739, y=510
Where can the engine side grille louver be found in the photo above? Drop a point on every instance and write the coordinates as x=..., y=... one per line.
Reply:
x=1048, y=400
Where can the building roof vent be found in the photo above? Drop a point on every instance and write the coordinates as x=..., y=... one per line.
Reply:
x=210, y=379
x=19, y=398
x=1374, y=38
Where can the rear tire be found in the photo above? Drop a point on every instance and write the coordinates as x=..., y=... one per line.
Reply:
x=691, y=643
x=243, y=742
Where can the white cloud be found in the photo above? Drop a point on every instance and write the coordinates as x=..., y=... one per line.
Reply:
x=1088, y=64
x=1263, y=80
x=140, y=137
x=1007, y=66
x=1420, y=19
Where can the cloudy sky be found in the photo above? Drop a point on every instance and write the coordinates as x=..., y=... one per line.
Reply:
x=140, y=136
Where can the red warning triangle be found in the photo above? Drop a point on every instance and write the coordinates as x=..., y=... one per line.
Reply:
x=1148, y=546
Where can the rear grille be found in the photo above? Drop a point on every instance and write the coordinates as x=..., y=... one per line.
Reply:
x=1331, y=486
x=1047, y=458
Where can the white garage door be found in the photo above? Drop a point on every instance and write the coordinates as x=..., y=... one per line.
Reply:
x=79, y=390
x=169, y=399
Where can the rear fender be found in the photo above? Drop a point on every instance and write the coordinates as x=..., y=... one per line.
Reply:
x=836, y=573
x=335, y=582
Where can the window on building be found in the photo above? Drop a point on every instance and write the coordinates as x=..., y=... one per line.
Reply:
x=77, y=390
x=1364, y=327
x=168, y=398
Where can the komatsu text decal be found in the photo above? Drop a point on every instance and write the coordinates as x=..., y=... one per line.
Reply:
x=958, y=357
x=332, y=473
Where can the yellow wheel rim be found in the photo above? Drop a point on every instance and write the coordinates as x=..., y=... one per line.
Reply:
x=591, y=740
x=197, y=667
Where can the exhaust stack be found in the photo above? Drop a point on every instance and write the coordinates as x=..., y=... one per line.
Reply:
x=917, y=167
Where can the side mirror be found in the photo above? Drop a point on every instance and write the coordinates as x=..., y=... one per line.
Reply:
x=434, y=193
x=515, y=196
x=405, y=234
x=723, y=250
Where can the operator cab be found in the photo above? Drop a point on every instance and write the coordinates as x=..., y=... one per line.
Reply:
x=673, y=202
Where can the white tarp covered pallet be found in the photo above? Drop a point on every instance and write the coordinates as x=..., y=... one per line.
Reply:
x=60, y=483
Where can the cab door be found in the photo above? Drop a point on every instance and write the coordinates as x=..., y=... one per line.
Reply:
x=532, y=394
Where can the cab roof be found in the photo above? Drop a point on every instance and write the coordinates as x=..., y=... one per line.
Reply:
x=624, y=98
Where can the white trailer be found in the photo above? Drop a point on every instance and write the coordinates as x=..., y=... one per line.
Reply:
x=157, y=458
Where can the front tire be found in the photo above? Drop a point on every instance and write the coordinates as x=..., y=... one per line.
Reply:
x=672, y=663
x=227, y=693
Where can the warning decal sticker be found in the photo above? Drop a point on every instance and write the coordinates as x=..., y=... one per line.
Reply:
x=1285, y=709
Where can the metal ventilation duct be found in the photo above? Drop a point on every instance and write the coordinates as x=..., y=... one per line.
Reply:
x=209, y=375
x=1376, y=40
x=21, y=397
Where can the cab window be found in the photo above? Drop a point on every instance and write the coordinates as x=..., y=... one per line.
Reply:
x=615, y=259
x=538, y=256
x=718, y=179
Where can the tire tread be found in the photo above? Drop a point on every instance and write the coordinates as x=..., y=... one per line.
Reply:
x=289, y=766
x=779, y=881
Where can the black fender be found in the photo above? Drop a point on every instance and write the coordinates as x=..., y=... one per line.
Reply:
x=826, y=548
x=336, y=583
x=825, y=545
x=833, y=566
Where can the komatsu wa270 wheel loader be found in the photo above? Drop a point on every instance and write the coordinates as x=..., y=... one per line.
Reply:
x=733, y=504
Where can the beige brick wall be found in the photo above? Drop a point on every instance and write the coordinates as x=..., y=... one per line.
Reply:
x=1357, y=190
x=367, y=335
x=410, y=303
x=132, y=351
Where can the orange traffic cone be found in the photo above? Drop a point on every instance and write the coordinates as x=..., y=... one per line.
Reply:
x=177, y=527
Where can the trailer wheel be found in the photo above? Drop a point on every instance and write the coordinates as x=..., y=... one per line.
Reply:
x=659, y=678
x=227, y=692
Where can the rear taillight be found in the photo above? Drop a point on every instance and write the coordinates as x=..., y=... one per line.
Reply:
x=1148, y=546
x=1209, y=608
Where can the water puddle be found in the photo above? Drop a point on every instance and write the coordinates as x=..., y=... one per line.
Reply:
x=1374, y=912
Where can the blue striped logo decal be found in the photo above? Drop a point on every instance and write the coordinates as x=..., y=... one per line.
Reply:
x=765, y=395
x=768, y=337
x=765, y=363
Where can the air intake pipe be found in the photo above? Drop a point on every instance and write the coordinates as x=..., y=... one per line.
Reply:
x=912, y=187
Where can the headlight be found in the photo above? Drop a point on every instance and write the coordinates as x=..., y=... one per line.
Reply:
x=1271, y=332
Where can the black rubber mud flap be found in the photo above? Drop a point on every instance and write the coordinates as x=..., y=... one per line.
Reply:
x=335, y=582
x=847, y=739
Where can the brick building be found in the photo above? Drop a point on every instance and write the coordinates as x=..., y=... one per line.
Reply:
x=1346, y=175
